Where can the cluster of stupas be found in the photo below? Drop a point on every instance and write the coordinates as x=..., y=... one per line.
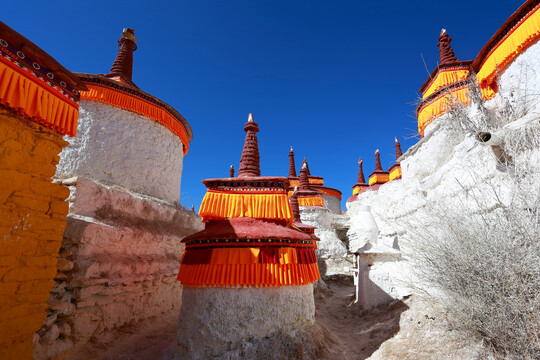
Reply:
x=450, y=81
x=312, y=191
x=249, y=273
x=378, y=176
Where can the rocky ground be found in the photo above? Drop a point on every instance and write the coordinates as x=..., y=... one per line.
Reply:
x=408, y=329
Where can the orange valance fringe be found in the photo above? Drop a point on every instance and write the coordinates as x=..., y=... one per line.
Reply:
x=378, y=178
x=221, y=205
x=132, y=103
x=513, y=44
x=439, y=105
x=330, y=192
x=444, y=78
x=29, y=98
x=293, y=183
x=253, y=275
x=395, y=174
x=311, y=201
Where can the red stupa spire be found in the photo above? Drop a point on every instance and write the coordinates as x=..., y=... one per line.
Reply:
x=378, y=166
x=395, y=170
x=361, y=179
x=304, y=163
x=294, y=206
x=249, y=162
x=446, y=54
x=360, y=185
x=304, y=180
x=378, y=176
x=292, y=168
x=231, y=172
x=398, y=149
x=123, y=64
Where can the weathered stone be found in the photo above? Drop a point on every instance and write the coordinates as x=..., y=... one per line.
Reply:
x=50, y=320
x=63, y=308
x=64, y=264
x=64, y=328
x=51, y=335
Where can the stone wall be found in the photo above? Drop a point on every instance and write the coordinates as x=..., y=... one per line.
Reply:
x=120, y=147
x=117, y=266
x=32, y=219
x=332, y=252
x=214, y=322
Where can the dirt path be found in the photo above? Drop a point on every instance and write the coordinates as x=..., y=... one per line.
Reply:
x=360, y=332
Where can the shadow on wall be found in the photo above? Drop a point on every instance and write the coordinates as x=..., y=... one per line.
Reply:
x=322, y=266
x=361, y=332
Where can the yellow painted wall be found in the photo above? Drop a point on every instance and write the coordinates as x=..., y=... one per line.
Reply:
x=33, y=214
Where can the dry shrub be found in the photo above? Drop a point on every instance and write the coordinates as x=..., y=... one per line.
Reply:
x=480, y=258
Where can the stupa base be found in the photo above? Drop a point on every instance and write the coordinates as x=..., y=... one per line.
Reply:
x=240, y=323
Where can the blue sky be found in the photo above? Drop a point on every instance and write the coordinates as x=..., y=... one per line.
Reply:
x=334, y=79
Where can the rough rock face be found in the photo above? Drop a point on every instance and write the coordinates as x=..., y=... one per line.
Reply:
x=448, y=166
x=117, y=265
x=116, y=146
x=273, y=312
x=362, y=228
x=332, y=250
x=424, y=334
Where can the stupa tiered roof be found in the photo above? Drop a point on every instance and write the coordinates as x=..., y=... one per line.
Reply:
x=250, y=238
x=395, y=170
x=378, y=176
x=361, y=184
x=118, y=89
x=316, y=183
x=449, y=77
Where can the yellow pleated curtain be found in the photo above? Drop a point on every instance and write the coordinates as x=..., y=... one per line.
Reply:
x=514, y=43
x=445, y=78
x=222, y=204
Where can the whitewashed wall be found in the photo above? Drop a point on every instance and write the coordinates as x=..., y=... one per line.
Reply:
x=120, y=147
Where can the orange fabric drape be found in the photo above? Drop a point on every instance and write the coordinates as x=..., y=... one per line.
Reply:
x=439, y=105
x=221, y=205
x=235, y=255
x=30, y=97
x=513, y=44
x=132, y=103
x=255, y=274
x=330, y=192
x=311, y=201
x=378, y=178
x=395, y=174
x=444, y=78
